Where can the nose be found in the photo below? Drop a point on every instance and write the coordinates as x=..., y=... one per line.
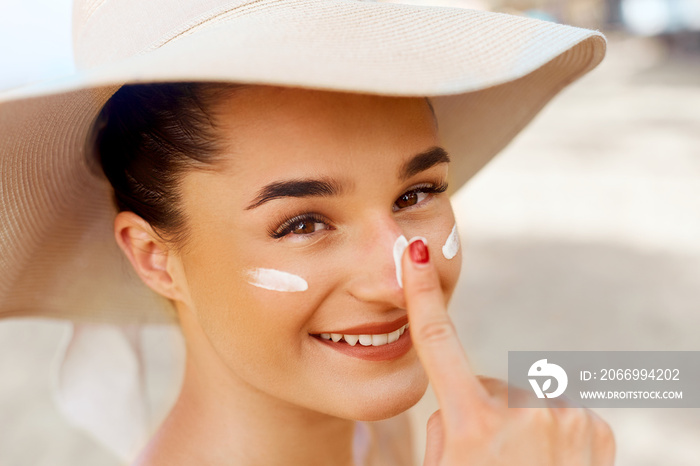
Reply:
x=373, y=275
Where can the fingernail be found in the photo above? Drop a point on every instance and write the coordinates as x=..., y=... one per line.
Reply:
x=418, y=250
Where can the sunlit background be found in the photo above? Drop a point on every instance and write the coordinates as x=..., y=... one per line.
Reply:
x=584, y=234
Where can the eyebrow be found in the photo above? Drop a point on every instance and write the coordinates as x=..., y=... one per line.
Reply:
x=296, y=188
x=326, y=187
x=423, y=161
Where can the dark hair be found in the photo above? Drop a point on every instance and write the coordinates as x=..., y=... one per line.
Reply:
x=146, y=136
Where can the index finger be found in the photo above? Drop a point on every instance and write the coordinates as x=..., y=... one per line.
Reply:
x=434, y=335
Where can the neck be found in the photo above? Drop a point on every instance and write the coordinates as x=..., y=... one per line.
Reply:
x=221, y=419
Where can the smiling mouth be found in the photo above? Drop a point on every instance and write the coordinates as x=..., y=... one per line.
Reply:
x=366, y=339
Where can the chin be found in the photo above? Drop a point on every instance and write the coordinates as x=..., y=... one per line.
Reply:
x=386, y=399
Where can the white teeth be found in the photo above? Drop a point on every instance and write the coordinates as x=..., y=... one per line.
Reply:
x=351, y=339
x=380, y=339
x=393, y=336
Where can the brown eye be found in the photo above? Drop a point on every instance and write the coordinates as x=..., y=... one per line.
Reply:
x=305, y=227
x=409, y=199
x=301, y=226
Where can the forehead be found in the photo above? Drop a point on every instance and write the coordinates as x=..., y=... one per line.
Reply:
x=271, y=129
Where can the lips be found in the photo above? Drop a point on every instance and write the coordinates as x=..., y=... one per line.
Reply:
x=373, y=328
x=373, y=342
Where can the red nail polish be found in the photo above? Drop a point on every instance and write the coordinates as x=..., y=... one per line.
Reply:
x=419, y=251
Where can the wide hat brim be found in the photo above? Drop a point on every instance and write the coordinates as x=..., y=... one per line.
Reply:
x=488, y=75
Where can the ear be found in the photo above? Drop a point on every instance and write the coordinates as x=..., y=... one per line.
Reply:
x=149, y=255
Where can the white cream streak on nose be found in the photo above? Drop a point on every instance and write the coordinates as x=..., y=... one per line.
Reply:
x=276, y=280
x=400, y=246
x=451, y=247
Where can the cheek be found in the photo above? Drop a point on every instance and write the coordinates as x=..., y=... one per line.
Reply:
x=247, y=311
x=260, y=334
x=447, y=254
x=449, y=271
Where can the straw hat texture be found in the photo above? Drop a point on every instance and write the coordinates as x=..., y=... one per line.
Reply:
x=487, y=75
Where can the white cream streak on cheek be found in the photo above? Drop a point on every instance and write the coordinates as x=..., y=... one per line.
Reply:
x=400, y=246
x=451, y=247
x=276, y=280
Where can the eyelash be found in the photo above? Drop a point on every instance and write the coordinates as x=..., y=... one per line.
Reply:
x=428, y=188
x=286, y=226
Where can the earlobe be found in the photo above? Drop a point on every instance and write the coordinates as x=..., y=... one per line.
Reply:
x=147, y=252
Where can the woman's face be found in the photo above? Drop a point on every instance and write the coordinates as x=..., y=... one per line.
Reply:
x=318, y=185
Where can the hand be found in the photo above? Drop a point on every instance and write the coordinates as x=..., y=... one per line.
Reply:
x=474, y=425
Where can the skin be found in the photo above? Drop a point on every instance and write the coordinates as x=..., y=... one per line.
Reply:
x=255, y=375
x=258, y=387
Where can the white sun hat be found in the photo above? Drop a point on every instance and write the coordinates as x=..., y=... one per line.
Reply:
x=487, y=75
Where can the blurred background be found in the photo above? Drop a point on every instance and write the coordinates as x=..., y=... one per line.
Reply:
x=584, y=234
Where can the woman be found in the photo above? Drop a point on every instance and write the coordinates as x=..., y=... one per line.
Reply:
x=274, y=216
